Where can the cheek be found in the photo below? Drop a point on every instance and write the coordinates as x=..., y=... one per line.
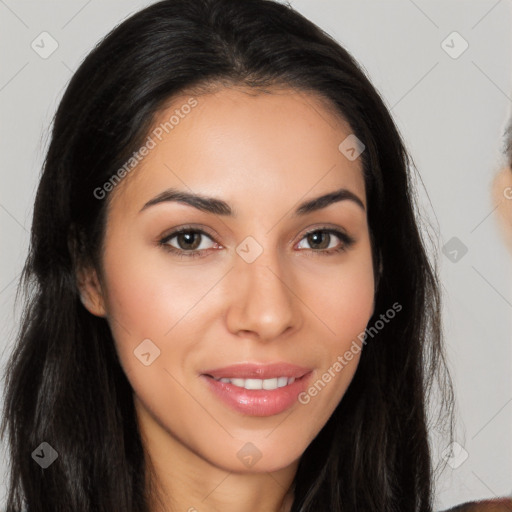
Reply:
x=342, y=296
x=343, y=304
x=148, y=294
x=349, y=301
x=150, y=298
x=157, y=321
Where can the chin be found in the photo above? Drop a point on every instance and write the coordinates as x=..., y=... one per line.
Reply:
x=256, y=457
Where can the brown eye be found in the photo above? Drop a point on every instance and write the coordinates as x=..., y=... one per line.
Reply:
x=189, y=240
x=186, y=242
x=320, y=239
x=323, y=241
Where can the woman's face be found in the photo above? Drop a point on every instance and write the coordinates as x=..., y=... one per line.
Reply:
x=502, y=197
x=256, y=280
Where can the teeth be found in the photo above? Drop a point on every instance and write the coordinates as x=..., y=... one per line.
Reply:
x=268, y=384
x=282, y=381
x=253, y=384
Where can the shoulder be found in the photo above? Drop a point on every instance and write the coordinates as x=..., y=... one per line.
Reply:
x=497, y=505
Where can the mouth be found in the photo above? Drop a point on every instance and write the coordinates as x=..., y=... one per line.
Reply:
x=267, y=384
x=257, y=389
x=258, y=375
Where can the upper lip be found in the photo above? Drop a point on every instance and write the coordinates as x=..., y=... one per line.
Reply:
x=258, y=371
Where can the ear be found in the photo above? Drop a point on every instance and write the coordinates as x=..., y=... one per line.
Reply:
x=91, y=293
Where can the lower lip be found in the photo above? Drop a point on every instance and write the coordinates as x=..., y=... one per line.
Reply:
x=258, y=402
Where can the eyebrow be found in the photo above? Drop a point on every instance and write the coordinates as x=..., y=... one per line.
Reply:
x=220, y=207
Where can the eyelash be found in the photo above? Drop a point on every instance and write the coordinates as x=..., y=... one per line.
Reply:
x=347, y=242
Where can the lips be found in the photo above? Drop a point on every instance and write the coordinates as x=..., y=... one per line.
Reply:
x=258, y=371
x=258, y=389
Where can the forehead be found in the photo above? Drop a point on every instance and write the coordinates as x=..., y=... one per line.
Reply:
x=243, y=146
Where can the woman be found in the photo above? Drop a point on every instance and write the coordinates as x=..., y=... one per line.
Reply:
x=502, y=199
x=502, y=191
x=252, y=369
x=497, y=505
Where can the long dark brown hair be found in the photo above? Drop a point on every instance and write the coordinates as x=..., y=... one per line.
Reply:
x=64, y=384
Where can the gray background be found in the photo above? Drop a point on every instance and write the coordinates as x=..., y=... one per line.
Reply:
x=452, y=113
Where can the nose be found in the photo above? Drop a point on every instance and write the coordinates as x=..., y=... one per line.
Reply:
x=263, y=301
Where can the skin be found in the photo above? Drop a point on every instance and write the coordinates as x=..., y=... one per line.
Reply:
x=497, y=505
x=262, y=154
x=502, y=198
